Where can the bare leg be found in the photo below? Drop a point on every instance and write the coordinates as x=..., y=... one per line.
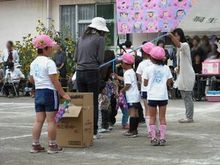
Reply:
x=51, y=126
x=163, y=124
x=38, y=124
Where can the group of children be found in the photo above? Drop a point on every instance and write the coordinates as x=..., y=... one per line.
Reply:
x=155, y=78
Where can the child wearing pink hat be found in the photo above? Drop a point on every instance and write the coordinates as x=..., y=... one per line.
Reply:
x=142, y=67
x=131, y=92
x=156, y=78
x=43, y=73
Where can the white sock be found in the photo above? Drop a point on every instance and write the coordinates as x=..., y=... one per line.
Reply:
x=35, y=142
x=52, y=142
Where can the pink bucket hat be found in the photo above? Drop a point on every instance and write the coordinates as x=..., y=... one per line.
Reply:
x=43, y=41
x=157, y=53
x=127, y=58
x=147, y=47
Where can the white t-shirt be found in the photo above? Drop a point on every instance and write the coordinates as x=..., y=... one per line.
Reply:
x=132, y=94
x=157, y=76
x=41, y=68
x=142, y=67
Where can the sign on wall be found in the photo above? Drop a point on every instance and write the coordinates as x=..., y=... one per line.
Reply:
x=150, y=16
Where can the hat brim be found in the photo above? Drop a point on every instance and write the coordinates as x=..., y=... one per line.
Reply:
x=100, y=28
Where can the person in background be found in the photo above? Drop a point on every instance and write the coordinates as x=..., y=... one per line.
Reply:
x=196, y=50
x=214, y=54
x=161, y=44
x=157, y=77
x=60, y=61
x=89, y=55
x=128, y=48
x=199, y=88
x=1, y=76
x=142, y=67
x=13, y=77
x=185, y=73
x=10, y=54
x=104, y=104
x=197, y=65
x=43, y=74
x=132, y=93
x=206, y=47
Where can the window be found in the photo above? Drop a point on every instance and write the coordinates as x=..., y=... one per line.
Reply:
x=68, y=19
x=85, y=15
x=107, y=11
x=78, y=17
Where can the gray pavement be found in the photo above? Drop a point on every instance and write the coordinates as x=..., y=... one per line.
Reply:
x=188, y=144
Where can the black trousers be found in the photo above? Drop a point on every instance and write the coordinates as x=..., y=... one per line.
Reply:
x=113, y=112
x=140, y=113
x=105, y=118
x=88, y=81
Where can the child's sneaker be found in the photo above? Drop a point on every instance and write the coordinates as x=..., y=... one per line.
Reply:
x=125, y=126
x=97, y=136
x=162, y=142
x=54, y=148
x=104, y=130
x=36, y=148
x=154, y=142
x=110, y=127
x=132, y=134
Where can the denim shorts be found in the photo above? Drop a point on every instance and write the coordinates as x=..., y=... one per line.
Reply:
x=159, y=103
x=46, y=100
x=144, y=95
x=133, y=105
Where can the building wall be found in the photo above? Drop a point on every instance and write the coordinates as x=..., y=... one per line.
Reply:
x=19, y=17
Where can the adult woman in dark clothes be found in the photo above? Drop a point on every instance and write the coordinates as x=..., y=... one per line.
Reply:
x=89, y=55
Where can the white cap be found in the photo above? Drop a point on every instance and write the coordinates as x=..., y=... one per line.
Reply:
x=99, y=23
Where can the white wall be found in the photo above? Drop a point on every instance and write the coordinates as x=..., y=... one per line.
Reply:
x=19, y=18
x=138, y=38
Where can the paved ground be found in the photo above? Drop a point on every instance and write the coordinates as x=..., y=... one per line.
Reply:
x=189, y=144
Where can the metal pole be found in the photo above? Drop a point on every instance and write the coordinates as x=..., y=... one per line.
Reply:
x=48, y=14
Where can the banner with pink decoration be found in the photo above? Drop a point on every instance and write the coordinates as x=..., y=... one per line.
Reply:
x=150, y=16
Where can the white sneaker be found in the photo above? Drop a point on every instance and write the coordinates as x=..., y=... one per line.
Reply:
x=97, y=136
x=110, y=128
x=103, y=130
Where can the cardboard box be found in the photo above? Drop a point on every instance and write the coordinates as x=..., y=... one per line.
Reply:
x=75, y=129
x=211, y=67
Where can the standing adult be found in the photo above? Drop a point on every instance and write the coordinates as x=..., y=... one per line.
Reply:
x=10, y=55
x=205, y=45
x=89, y=55
x=186, y=74
x=60, y=61
x=196, y=50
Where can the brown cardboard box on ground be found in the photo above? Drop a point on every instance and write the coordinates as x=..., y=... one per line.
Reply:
x=75, y=129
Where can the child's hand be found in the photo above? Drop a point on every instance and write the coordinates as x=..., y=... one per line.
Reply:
x=114, y=76
x=66, y=97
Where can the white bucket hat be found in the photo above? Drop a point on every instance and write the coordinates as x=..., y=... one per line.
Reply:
x=99, y=23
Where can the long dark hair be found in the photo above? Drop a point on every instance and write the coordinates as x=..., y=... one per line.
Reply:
x=91, y=31
x=107, y=70
x=180, y=32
